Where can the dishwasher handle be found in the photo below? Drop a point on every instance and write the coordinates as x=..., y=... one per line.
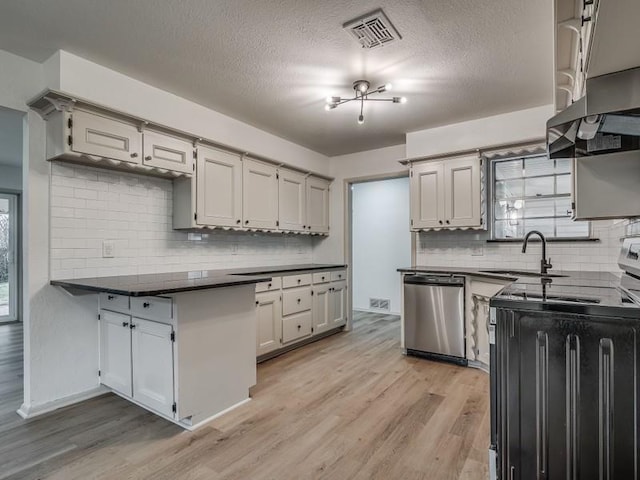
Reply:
x=440, y=281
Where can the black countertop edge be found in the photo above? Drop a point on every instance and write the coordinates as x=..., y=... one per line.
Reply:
x=569, y=308
x=459, y=271
x=149, y=285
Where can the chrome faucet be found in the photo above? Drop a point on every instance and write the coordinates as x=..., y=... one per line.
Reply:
x=544, y=263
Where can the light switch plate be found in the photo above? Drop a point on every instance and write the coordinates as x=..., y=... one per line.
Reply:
x=108, y=249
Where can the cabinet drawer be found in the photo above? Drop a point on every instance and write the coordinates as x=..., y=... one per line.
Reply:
x=296, y=300
x=153, y=308
x=111, y=301
x=273, y=284
x=296, y=280
x=338, y=275
x=296, y=327
x=321, y=277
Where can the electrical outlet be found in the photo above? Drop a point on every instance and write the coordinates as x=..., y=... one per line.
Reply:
x=108, y=249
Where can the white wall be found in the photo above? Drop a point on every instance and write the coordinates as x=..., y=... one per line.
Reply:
x=381, y=239
x=89, y=205
x=513, y=127
x=10, y=178
x=381, y=161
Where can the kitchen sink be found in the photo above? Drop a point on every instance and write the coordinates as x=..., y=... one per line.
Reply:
x=524, y=273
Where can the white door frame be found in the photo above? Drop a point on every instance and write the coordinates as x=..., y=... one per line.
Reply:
x=348, y=229
x=13, y=258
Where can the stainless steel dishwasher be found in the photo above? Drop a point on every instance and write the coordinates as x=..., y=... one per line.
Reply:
x=434, y=317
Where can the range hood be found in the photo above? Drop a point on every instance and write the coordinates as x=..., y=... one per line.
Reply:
x=607, y=118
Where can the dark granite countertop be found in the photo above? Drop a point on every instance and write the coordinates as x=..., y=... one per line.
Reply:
x=476, y=272
x=167, y=283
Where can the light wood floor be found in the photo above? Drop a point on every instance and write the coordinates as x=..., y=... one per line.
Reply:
x=347, y=407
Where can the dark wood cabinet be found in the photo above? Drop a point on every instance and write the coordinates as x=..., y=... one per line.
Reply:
x=567, y=396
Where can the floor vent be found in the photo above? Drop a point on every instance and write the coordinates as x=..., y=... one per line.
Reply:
x=379, y=303
x=372, y=30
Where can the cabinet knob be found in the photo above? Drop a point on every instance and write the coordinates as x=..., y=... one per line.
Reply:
x=125, y=324
x=132, y=326
x=299, y=280
x=246, y=222
x=448, y=222
x=257, y=302
x=238, y=222
x=269, y=286
x=134, y=155
x=323, y=278
x=440, y=222
x=147, y=158
x=110, y=297
x=299, y=327
x=304, y=226
x=298, y=300
x=146, y=305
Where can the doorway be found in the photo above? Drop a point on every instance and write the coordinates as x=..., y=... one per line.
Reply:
x=381, y=242
x=9, y=287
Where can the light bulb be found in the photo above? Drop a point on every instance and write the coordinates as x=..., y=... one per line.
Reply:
x=403, y=99
x=360, y=119
x=362, y=87
x=329, y=99
x=327, y=107
x=388, y=86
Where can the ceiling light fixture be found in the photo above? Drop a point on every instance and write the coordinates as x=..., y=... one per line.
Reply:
x=363, y=90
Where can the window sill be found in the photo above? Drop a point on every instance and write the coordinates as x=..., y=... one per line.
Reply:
x=549, y=240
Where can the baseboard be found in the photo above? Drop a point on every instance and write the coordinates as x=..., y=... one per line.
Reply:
x=191, y=428
x=31, y=411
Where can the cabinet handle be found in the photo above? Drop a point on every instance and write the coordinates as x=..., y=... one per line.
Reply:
x=238, y=222
x=147, y=158
x=110, y=297
x=448, y=222
x=146, y=305
x=125, y=324
x=440, y=222
x=134, y=155
x=132, y=326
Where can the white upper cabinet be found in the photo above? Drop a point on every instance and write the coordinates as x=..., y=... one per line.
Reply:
x=219, y=188
x=317, y=205
x=446, y=194
x=462, y=192
x=292, y=200
x=96, y=135
x=427, y=187
x=167, y=152
x=259, y=195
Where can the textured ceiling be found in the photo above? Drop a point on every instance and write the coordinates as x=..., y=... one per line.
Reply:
x=10, y=137
x=272, y=63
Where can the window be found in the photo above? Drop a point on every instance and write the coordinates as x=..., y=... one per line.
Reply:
x=534, y=193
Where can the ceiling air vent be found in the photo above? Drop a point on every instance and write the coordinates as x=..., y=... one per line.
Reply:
x=372, y=30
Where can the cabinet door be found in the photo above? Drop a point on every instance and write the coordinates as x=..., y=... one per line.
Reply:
x=292, y=200
x=269, y=318
x=93, y=134
x=165, y=151
x=427, y=194
x=321, y=308
x=317, y=205
x=338, y=304
x=218, y=188
x=115, y=351
x=462, y=195
x=481, y=323
x=259, y=195
x=152, y=359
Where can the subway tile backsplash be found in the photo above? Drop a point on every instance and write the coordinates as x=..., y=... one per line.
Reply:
x=470, y=249
x=90, y=205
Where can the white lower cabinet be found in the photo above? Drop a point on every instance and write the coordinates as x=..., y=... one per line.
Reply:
x=152, y=364
x=321, y=315
x=115, y=351
x=136, y=359
x=338, y=304
x=269, y=322
x=294, y=308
